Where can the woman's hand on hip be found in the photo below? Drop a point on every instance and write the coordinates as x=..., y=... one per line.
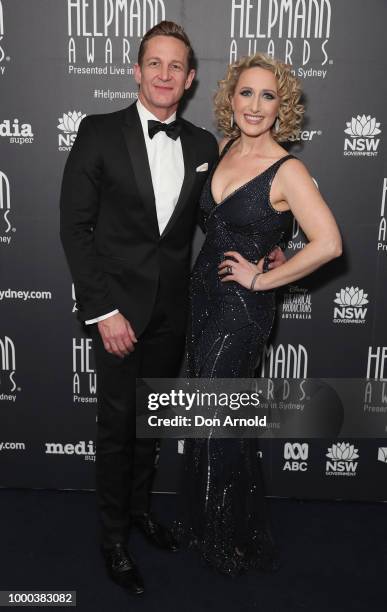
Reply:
x=237, y=269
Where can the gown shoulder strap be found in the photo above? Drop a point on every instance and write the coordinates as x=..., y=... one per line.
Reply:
x=284, y=159
x=227, y=146
x=272, y=171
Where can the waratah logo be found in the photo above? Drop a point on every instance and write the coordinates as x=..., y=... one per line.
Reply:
x=70, y=121
x=68, y=124
x=362, y=127
x=342, y=451
x=351, y=296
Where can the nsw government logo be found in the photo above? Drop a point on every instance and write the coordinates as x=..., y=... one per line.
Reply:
x=350, y=309
x=362, y=131
x=341, y=460
x=297, y=303
x=68, y=124
x=295, y=455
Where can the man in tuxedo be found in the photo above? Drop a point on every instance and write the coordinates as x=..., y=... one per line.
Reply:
x=129, y=203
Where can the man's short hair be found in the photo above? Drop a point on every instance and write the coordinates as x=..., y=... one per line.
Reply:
x=167, y=28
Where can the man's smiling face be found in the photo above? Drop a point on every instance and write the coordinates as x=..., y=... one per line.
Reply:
x=163, y=75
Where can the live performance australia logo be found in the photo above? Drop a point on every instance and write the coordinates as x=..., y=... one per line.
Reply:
x=341, y=461
x=4, y=58
x=16, y=132
x=382, y=229
x=296, y=32
x=295, y=455
x=351, y=302
x=68, y=126
x=84, y=375
x=106, y=30
x=6, y=228
x=296, y=303
x=361, y=139
x=8, y=385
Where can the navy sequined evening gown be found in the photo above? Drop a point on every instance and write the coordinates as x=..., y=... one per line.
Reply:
x=223, y=511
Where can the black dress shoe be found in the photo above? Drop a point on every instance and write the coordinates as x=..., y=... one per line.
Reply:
x=156, y=533
x=122, y=569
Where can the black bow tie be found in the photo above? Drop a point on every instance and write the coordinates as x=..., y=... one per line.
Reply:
x=171, y=129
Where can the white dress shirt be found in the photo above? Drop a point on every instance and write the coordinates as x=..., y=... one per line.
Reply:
x=166, y=163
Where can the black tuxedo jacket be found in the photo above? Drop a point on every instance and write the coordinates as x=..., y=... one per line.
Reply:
x=109, y=226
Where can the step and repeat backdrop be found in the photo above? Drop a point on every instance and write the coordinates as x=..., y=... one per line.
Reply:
x=63, y=59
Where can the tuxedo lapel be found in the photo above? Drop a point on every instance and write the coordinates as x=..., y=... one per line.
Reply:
x=135, y=143
x=188, y=147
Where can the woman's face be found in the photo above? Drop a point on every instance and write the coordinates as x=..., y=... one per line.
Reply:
x=255, y=101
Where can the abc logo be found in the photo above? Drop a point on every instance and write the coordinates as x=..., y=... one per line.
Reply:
x=296, y=455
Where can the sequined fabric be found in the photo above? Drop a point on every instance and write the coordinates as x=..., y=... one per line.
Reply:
x=222, y=504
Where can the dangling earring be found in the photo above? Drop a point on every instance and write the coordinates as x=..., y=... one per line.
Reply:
x=277, y=125
x=232, y=121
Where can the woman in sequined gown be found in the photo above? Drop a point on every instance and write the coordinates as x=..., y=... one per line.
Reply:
x=247, y=206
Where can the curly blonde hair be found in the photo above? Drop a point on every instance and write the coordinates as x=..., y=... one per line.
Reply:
x=290, y=111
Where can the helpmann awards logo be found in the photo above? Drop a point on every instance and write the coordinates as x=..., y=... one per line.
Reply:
x=377, y=364
x=8, y=386
x=4, y=58
x=68, y=124
x=6, y=228
x=100, y=34
x=362, y=131
x=350, y=309
x=382, y=228
x=84, y=375
x=284, y=361
x=375, y=385
x=296, y=32
x=298, y=239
